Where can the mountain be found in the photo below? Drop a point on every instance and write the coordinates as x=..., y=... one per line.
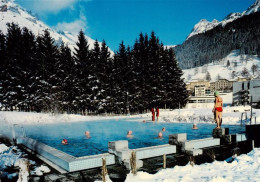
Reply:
x=12, y=12
x=211, y=42
x=205, y=25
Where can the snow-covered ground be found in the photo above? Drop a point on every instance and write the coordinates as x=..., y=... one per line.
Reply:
x=244, y=168
x=13, y=157
x=237, y=64
x=231, y=115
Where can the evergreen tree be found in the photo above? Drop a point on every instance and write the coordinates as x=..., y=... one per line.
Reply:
x=28, y=73
x=177, y=93
x=12, y=89
x=104, y=77
x=66, y=78
x=254, y=68
x=228, y=63
x=82, y=88
x=94, y=80
x=245, y=72
x=119, y=75
x=208, y=77
x=2, y=65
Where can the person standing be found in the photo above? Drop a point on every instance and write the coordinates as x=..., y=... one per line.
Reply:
x=153, y=114
x=218, y=108
x=157, y=113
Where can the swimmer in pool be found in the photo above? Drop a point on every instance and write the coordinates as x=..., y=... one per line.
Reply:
x=194, y=127
x=160, y=135
x=87, y=133
x=129, y=134
x=64, y=142
x=163, y=129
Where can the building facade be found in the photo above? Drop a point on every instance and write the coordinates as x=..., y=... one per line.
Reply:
x=244, y=92
x=197, y=83
x=221, y=85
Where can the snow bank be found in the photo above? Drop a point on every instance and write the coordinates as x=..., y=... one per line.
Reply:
x=243, y=168
x=3, y=148
x=231, y=115
x=12, y=157
x=29, y=118
x=39, y=171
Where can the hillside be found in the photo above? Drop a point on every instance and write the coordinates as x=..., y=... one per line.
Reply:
x=219, y=68
x=214, y=41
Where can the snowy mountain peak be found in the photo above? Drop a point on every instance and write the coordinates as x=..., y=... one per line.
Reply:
x=10, y=12
x=203, y=26
x=253, y=8
x=231, y=17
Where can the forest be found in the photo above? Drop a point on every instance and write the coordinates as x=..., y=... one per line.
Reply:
x=242, y=34
x=37, y=75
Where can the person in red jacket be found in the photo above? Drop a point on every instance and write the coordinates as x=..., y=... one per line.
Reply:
x=153, y=114
x=157, y=112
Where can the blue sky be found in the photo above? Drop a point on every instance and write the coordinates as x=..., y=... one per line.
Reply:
x=117, y=20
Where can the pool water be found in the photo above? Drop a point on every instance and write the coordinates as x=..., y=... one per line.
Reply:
x=102, y=132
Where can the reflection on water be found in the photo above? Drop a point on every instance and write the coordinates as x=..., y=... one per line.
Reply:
x=145, y=134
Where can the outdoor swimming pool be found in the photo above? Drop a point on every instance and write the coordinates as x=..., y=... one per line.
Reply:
x=102, y=132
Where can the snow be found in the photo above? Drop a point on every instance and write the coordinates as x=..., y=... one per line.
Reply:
x=220, y=68
x=39, y=171
x=12, y=156
x=202, y=115
x=3, y=148
x=23, y=170
x=20, y=16
x=205, y=25
x=243, y=168
x=202, y=27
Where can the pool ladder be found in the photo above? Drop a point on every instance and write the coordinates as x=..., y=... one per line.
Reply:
x=14, y=133
x=241, y=120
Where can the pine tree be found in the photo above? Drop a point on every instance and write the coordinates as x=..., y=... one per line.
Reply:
x=119, y=77
x=28, y=65
x=245, y=72
x=177, y=94
x=2, y=66
x=84, y=68
x=208, y=77
x=153, y=65
x=104, y=78
x=95, y=82
x=12, y=88
x=66, y=76
x=228, y=63
x=48, y=91
x=254, y=68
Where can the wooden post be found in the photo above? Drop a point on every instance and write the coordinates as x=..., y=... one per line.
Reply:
x=104, y=169
x=133, y=162
x=164, y=161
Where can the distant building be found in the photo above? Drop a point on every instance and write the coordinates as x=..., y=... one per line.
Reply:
x=200, y=91
x=243, y=91
x=242, y=79
x=207, y=101
x=200, y=102
x=221, y=85
x=197, y=83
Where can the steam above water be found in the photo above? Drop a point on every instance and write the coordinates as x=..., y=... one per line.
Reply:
x=102, y=132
